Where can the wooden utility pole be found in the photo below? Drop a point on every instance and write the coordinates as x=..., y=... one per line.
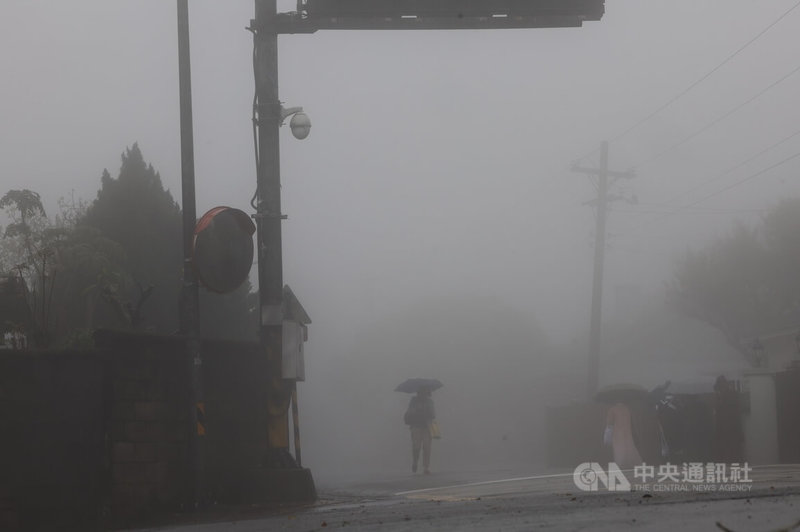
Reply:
x=602, y=202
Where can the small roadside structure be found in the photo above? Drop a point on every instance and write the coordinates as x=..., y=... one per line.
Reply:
x=295, y=334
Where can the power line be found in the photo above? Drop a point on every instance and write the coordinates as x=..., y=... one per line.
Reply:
x=684, y=208
x=706, y=75
x=734, y=168
x=742, y=181
x=671, y=210
x=666, y=210
x=719, y=119
x=699, y=80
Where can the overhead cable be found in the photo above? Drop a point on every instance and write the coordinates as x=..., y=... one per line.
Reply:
x=742, y=181
x=706, y=75
x=719, y=119
x=699, y=80
x=730, y=170
x=683, y=208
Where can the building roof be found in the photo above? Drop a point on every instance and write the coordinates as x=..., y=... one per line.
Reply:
x=292, y=309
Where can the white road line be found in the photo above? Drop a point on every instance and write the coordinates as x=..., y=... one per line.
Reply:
x=556, y=475
x=484, y=483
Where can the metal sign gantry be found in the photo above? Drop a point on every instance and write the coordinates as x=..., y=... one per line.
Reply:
x=311, y=16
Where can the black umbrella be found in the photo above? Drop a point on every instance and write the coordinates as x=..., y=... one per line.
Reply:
x=414, y=385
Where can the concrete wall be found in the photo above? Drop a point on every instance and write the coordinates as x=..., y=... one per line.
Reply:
x=787, y=392
x=236, y=413
x=148, y=407
x=761, y=422
x=52, y=446
x=575, y=435
x=101, y=439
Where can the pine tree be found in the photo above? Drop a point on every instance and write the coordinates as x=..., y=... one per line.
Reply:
x=136, y=211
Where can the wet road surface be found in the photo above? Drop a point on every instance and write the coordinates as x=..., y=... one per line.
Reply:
x=550, y=501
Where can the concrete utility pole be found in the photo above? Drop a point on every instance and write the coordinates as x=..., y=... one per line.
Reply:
x=189, y=303
x=602, y=202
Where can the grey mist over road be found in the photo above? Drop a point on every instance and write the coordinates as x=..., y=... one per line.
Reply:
x=435, y=226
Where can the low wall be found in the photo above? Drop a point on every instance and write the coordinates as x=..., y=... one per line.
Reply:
x=575, y=435
x=148, y=405
x=52, y=448
x=760, y=424
x=787, y=391
x=103, y=438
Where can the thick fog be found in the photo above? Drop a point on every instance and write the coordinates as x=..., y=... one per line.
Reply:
x=435, y=228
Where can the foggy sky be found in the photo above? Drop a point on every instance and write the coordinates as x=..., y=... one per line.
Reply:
x=438, y=162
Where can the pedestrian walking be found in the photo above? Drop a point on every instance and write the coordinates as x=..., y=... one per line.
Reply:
x=619, y=427
x=618, y=420
x=419, y=416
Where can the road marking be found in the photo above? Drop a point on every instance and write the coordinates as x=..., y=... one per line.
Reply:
x=483, y=483
x=555, y=475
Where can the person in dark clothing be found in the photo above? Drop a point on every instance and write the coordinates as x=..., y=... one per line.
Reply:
x=418, y=416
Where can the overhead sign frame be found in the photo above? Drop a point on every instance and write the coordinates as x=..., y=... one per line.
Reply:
x=313, y=15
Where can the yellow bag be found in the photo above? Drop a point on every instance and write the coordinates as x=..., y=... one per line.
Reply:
x=433, y=427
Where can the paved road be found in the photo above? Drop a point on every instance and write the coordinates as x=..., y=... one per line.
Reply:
x=493, y=501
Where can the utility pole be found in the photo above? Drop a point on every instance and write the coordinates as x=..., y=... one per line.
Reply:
x=189, y=302
x=602, y=202
x=268, y=117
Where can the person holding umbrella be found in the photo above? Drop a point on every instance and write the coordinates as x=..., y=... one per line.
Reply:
x=619, y=428
x=419, y=416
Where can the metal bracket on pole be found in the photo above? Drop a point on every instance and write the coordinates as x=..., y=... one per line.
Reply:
x=286, y=112
x=262, y=215
x=274, y=112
